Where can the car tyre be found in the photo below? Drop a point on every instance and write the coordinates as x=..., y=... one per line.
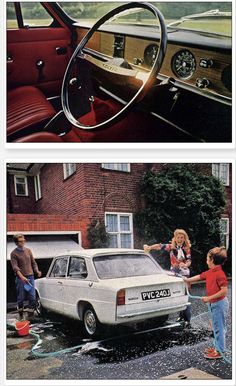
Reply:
x=90, y=322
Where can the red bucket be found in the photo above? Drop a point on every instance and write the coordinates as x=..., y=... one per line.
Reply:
x=22, y=327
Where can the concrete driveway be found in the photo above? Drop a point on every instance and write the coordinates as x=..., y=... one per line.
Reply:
x=140, y=352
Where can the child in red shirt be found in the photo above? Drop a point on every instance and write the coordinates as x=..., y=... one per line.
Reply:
x=216, y=289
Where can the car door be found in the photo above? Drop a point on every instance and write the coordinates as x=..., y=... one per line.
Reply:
x=38, y=47
x=76, y=286
x=54, y=290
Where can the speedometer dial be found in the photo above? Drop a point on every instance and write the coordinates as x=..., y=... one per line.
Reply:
x=183, y=64
x=150, y=54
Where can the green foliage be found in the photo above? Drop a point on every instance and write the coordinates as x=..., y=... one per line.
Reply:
x=182, y=197
x=97, y=235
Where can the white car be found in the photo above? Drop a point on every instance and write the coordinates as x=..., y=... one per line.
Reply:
x=110, y=287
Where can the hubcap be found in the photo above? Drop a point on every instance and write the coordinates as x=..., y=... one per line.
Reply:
x=90, y=322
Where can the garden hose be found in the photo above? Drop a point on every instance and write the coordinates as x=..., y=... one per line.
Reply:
x=67, y=350
x=49, y=354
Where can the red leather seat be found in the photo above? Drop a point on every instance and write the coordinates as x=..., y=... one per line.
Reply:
x=27, y=107
x=40, y=137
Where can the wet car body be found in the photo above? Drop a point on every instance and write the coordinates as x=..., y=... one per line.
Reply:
x=190, y=100
x=110, y=287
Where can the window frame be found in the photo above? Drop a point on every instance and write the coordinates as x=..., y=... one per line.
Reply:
x=19, y=18
x=218, y=174
x=119, y=232
x=37, y=187
x=25, y=184
x=82, y=259
x=225, y=235
x=116, y=169
x=65, y=170
x=66, y=257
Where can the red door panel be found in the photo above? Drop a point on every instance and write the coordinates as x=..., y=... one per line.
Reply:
x=26, y=47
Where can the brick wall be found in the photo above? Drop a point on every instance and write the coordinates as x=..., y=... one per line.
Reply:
x=90, y=192
x=20, y=204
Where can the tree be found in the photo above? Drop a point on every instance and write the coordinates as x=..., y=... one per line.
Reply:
x=182, y=197
x=97, y=235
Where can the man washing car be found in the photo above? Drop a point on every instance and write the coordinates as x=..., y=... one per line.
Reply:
x=24, y=267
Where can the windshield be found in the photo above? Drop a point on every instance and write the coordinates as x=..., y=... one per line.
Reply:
x=118, y=266
x=211, y=17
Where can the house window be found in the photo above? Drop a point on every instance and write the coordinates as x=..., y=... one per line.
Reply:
x=119, y=167
x=37, y=187
x=68, y=170
x=119, y=227
x=224, y=232
x=221, y=171
x=21, y=185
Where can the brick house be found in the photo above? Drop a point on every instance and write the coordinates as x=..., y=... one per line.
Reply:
x=53, y=204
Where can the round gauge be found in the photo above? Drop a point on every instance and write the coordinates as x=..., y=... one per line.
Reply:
x=183, y=64
x=150, y=54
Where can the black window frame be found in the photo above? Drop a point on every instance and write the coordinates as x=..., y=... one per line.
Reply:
x=55, y=261
x=20, y=19
x=79, y=276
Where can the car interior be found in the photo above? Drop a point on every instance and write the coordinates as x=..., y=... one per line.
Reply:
x=132, y=75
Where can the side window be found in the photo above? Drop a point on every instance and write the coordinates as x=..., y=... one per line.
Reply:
x=21, y=185
x=59, y=267
x=11, y=16
x=29, y=14
x=34, y=15
x=77, y=267
x=68, y=170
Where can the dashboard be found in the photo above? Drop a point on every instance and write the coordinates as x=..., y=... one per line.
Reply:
x=199, y=62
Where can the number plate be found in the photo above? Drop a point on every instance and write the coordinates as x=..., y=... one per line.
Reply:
x=150, y=295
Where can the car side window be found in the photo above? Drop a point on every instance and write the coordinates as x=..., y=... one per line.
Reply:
x=29, y=14
x=77, y=267
x=59, y=267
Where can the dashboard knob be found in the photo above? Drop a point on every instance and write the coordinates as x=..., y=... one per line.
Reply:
x=206, y=63
x=202, y=82
x=137, y=61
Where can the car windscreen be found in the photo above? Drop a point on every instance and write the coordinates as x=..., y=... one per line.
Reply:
x=211, y=17
x=118, y=266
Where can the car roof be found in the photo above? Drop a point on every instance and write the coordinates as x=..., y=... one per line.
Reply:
x=90, y=253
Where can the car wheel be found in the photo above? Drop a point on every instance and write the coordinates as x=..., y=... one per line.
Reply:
x=91, y=323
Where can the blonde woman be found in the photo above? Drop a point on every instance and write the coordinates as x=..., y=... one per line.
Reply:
x=180, y=260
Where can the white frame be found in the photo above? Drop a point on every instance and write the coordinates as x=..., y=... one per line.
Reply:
x=225, y=234
x=116, y=168
x=37, y=187
x=226, y=183
x=26, y=185
x=119, y=232
x=66, y=171
x=48, y=233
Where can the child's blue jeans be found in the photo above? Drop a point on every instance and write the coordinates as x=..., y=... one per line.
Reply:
x=219, y=311
x=22, y=294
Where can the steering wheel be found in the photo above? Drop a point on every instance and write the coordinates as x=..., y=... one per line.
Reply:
x=140, y=80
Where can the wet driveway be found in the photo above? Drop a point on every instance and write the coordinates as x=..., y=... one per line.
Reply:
x=140, y=352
